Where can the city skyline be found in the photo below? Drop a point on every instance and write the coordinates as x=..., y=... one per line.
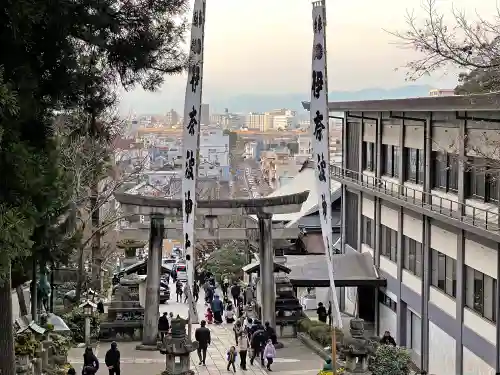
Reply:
x=277, y=39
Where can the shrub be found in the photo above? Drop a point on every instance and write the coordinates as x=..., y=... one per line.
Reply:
x=75, y=320
x=26, y=344
x=391, y=360
x=318, y=331
x=62, y=344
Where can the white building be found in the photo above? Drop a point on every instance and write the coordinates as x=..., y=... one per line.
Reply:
x=214, y=153
x=430, y=222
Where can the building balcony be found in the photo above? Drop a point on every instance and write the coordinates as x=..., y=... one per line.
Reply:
x=483, y=222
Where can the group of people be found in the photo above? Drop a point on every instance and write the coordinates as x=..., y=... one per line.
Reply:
x=183, y=289
x=91, y=363
x=248, y=334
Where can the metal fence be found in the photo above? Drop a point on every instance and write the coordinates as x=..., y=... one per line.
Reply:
x=466, y=213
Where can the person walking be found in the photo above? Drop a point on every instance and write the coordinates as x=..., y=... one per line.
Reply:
x=178, y=290
x=235, y=293
x=163, y=325
x=112, y=359
x=196, y=292
x=218, y=309
x=231, y=358
x=329, y=313
x=243, y=347
x=224, y=286
x=269, y=354
x=271, y=333
x=202, y=335
x=90, y=362
x=258, y=342
x=322, y=313
x=238, y=330
x=186, y=292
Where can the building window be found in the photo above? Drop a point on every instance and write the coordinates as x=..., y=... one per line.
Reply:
x=369, y=156
x=483, y=183
x=480, y=293
x=384, y=299
x=367, y=231
x=445, y=168
x=444, y=273
x=412, y=256
x=390, y=158
x=389, y=243
x=415, y=165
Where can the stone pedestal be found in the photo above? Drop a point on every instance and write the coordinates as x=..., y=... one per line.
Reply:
x=266, y=255
x=177, y=347
x=151, y=313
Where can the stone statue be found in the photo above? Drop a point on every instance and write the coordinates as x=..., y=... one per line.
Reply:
x=178, y=344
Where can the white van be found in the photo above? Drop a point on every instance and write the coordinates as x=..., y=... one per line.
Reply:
x=181, y=271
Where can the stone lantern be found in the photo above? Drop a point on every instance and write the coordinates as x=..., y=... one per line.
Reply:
x=179, y=346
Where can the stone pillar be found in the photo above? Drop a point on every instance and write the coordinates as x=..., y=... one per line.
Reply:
x=266, y=255
x=151, y=311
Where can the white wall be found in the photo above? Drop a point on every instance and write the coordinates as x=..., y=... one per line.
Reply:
x=473, y=365
x=389, y=217
x=481, y=258
x=412, y=228
x=443, y=241
x=443, y=302
x=441, y=351
x=350, y=300
x=388, y=320
x=368, y=208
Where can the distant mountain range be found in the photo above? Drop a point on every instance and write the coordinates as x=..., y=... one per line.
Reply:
x=262, y=102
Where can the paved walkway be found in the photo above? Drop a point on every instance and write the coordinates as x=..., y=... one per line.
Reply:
x=293, y=359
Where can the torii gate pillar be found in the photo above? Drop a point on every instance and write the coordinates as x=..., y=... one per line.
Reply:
x=266, y=256
x=151, y=308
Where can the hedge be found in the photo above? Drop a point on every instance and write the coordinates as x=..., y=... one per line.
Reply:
x=318, y=331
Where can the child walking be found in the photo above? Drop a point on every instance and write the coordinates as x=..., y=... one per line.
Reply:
x=269, y=354
x=231, y=358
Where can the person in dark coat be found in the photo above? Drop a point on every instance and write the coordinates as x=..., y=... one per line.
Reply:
x=235, y=293
x=218, y=309
x=258, y=343
x=112, y=359
x=329, y=313
x=178, y=290
x=196, y=292
x=256, y=326
x=202, y=335
x=387, y=339
x=163, y=325
x=90, y=362
x=321, y=311
x=271, y=333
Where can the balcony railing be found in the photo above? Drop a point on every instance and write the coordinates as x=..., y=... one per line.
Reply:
x=481, y=218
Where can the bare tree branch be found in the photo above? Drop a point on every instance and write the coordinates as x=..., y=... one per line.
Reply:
x=462, y=43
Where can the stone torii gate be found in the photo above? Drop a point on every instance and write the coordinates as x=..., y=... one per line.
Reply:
x=160, y=208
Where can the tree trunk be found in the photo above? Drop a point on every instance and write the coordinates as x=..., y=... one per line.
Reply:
x=7, y=357
x=80, y=276
x=23, y=308
x=96, y=239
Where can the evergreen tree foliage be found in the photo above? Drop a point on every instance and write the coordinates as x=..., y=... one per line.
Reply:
x=64, y=57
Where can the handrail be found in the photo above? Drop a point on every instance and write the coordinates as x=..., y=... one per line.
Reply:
x=481, y=218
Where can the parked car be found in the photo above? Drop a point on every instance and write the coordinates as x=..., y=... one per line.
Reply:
x=164, y=294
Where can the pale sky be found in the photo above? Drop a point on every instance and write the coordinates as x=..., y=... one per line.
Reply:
x=264, y=46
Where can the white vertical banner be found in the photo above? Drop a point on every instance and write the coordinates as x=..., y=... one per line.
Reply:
x=191, y=139
x=320, y=139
